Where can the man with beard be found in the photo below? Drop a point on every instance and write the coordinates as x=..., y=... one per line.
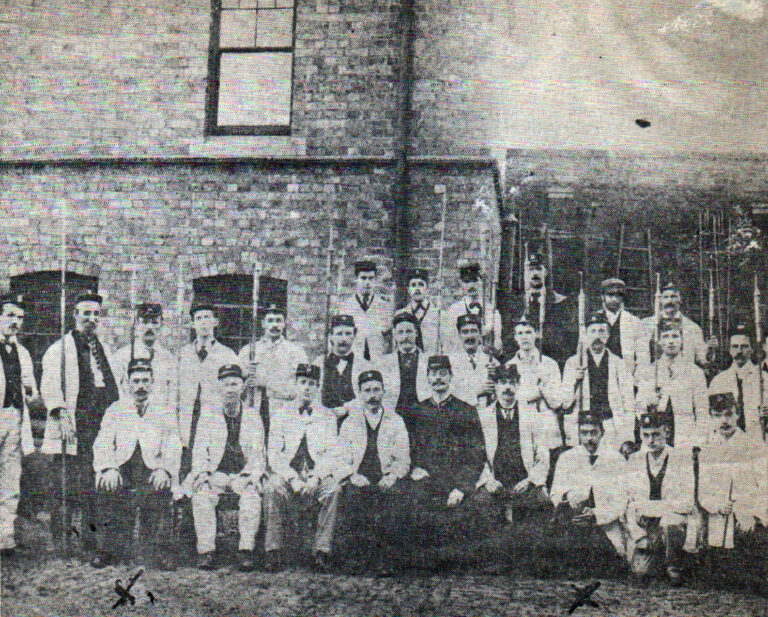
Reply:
x=676, y=387
x=623, y=326
x=553, y=316
x=423, y=309
x=17, y=386
x=341, y=367
x=471, y=303
x=75, y=418
x=228, y=456
x=471, y=363
x=588, y=485
x=136, y=457
x=374, y=458
x=149, y=320
x=517, y=449
x=371, y=313
x=694, y=348
x=273, y=368
x=301, y=455
x=743, y=381
x=598, y=379
x=405, y=370
x=732, y=477
x=660, y=485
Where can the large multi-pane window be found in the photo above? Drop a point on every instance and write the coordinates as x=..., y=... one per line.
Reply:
x=251, y=67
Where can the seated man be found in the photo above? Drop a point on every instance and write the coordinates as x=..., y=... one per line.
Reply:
x=448, y=457
x=588, y=484
x=374, y=457
x=517, y=444
x=732, y=476
x=136, y=458
x=301, y=455
x=661, y=507
x=228, y=456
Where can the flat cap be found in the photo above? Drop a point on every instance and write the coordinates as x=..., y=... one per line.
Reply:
x=590, y=416
x=536, y=259
x=367, y=376
x=418, y=273
x=149, y=310
x=652, y=419
x=598, y=317
x=405, y=316
x=721, y=401
x=435, y=363
x=468, y=319
x=507, y=372
x=470, y=272
x=15, y=299
x=365, y=265
x=202, y=306
x=139, y=364
x=613, y=286
x=342, y=320
x=309, y=371
x=88, y=296
x=231, y=370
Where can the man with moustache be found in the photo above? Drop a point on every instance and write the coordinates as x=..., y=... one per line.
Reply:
x=371, y=313
x=136, y=457
x=597, y=378
x=471, y=363
x=340, y=368
x=743, y=381
x=275, y=359
x=405, y=370
x=75, y=417
x=471, y=303
x=228, y=456
x=677, y=387
x=588, y=486
x=149, y=321
x=423, y=309
x=623, y=326
x=517, y=449
x=694, y=349
x=17, y=387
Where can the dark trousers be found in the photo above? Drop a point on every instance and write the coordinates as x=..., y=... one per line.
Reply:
x=116, y=511
x=80, y=496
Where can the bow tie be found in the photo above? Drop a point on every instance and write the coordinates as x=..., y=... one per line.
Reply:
x=202, y=354
x=305, y=409
x=592, y=459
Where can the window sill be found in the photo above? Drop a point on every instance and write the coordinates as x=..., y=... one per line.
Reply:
x=256, y=145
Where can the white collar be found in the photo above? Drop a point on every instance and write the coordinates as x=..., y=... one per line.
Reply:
x=597, y=360
x=611, y=316
x=747, y=369
x=373, y=420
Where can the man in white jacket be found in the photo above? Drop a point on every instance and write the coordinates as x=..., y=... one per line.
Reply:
x=302, y=456
x=228, y=456
x=17, y=386
x=588, y=484
x=136, y=458
x=75, y=413
x=623, y=327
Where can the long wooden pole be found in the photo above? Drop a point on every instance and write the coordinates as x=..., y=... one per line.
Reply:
x=328, y=284
x=440, y=189
x=63, y=371
x=582, y=335
x=254, y=325
x=759, y=350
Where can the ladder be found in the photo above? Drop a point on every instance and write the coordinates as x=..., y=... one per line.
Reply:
x=634, y=266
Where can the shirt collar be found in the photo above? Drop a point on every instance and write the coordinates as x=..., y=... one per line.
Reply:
x=210, y=345
x=747, y=369
x=611, y=316
x=535, y=357
x=597, y=359
x=373, y=420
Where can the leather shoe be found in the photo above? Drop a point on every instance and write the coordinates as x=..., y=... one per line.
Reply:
x=673, y=576
x=206, y=561
x=245, y=561
x=272, y=561
x=102, y=560
x=322, y=561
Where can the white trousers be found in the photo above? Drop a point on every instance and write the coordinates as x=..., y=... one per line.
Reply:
x=10, y=473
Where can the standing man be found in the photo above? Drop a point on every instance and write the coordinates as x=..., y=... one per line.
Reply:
x=75, y=418
x=301, y=455
x=423, y=309
x=676, y=387
x=149, y=320
x=694, y=350
x=405, y=370
x=341, y=367
x=136, y=457
x=660, y=485
x=372, y=314
x=517, y=449
x=199, y=364
x=471, y=364
x=623, y=326
x=17, y=386
x=275, y=359
x=588, y=484
x=598, y=379
x=228, y=456
x=742, y=380
x=471, y=303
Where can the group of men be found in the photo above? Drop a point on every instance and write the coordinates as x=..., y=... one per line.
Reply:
x=416, y=410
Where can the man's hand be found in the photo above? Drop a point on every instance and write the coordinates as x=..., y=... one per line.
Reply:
x=160, y=479
x=455, y=497
x=493, y=486
x=627, y=448
x=110, y=480
x=522, y=486
x=580, y=372
x=339, y=412
x=747, y=526
x=587, y=517
x=297, y=484
x=726, y=509
x=419, y=473
x=359, y=480
x=311, y=485
x=200, y=481
x=387, y=481
x=67, y=424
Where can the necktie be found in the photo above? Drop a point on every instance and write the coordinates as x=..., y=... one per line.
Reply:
x=534, y=307
x=472, y=362
x=592, y=459
x=420, y=311
x=740, y=422
x=202, y=353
